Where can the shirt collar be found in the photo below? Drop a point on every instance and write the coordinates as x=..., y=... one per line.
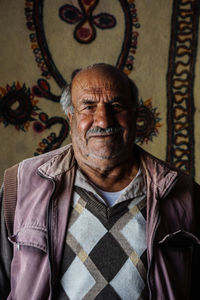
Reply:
x=136, y=187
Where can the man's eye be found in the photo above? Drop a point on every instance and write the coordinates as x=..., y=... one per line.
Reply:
x=89, y=107
x=117, y=106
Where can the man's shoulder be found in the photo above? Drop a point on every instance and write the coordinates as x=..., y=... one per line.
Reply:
x=153, y=160
x=48, y=155
x=48, y=158
x=160, y=166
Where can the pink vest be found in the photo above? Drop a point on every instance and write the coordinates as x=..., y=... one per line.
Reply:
x=44, y=192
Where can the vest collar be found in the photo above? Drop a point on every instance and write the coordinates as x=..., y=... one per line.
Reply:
x=61, y=162
x=157, y=172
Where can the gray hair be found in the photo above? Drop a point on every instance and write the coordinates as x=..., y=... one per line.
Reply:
x=66, y=98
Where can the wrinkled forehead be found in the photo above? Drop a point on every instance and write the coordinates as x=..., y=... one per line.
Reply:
x=100, y=80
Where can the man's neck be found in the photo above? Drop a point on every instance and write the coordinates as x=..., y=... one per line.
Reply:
x=114, y=179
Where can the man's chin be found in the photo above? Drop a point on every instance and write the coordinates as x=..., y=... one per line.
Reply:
x=106, y=155
x=102, y=156
x=108, y=152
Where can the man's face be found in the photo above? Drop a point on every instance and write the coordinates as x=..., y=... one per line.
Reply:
x=103, y=122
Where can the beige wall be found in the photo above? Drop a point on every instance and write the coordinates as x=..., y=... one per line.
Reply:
x=18, y=68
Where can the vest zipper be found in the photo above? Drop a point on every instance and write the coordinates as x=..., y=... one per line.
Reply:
x=151, y=261
x=49, y=236
x=49, y=231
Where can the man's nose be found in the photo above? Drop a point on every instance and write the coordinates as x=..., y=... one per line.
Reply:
x=103, y=117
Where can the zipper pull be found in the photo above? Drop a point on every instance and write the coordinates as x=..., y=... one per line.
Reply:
x=18, y=246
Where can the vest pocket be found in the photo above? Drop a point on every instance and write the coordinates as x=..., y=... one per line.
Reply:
x=179, y=239
x=32, y=237
x=176, y=261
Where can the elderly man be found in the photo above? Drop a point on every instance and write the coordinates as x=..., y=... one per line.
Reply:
x=101, y=218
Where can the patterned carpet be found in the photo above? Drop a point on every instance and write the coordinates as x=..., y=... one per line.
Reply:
x=43, y=42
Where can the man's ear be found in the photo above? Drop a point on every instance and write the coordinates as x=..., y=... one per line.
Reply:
x=69, y=115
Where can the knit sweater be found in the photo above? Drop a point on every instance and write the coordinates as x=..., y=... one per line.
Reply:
x=105, y=251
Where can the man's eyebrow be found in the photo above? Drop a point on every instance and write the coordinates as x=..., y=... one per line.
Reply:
x=88, y=101
x=115, y=99
x=92, y=101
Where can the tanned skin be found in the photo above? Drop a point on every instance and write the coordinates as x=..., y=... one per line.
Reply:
x=101, y=97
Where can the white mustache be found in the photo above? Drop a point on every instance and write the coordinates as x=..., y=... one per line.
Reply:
x=104, y=131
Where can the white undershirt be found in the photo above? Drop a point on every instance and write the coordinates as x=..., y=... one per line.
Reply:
x=110, y=197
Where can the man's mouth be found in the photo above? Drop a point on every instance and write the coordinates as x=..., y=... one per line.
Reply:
x=101, y=135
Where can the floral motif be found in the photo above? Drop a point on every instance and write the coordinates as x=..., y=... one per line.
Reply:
x=34, y=12
x=43, y=89
x=85, y=31
x=148, y=122
x=53, y=141
x=17, y=106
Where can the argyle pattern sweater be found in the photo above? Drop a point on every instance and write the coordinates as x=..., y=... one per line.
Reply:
x=105, y=250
